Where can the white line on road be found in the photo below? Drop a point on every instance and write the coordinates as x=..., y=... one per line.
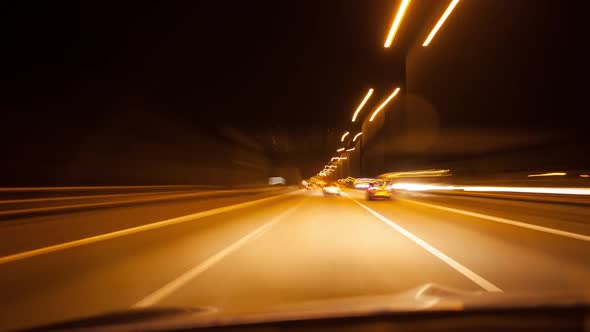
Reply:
x=133, y=230
x=187, y=276
x=483, y=283
x=506, y=221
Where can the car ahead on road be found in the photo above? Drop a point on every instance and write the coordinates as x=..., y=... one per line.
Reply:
x=331, y=189
x=378, y=190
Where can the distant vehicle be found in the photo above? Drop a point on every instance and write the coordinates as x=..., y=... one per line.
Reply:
x=362, y=183
x=276, y=180
x=378, y=190
x=331, y=189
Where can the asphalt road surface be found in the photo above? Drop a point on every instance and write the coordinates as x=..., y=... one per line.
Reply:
x=247, y=253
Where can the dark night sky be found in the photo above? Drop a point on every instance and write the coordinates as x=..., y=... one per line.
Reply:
x=299, y=67
x=252, y=63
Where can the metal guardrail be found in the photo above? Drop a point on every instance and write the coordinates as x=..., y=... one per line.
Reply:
x=22, y=193
x=43, y=205
x=539, y=198
x=98, y=188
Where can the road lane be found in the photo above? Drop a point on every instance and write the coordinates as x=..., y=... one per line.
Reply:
x=516, y=259
x=328, y=248
x=325, y=247
x=41, y=231
x=483, y=283
x=512, y=222
x=115, y=274
x=155, y=297
x=571, y=218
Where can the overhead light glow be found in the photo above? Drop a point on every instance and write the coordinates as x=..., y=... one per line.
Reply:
x=440, y=22
x=344, y=136
x=357, y=136
x=585, y=175
x=358, y=109
x=341, y=149
x=351, y=149
x=396, y=22
x=547, y=174
x=384, y=103
x=419, y=174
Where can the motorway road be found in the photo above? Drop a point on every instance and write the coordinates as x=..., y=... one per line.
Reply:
x=247, y=253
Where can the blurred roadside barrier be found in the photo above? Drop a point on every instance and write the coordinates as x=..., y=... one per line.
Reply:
x=18, y=202
x=530, y=197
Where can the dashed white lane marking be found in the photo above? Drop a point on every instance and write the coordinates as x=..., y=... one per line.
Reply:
x=133, y=230
x=480, y=281
x=506, y=221
x=187, y=276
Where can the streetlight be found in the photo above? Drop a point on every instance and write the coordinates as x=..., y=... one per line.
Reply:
x=384, y=103
x=344, y=136
x=357, y=136
x=362, y=104
x=360, y=146
x=440, y=22
x=360, y=153
x=396, y=22
x=341, y=149
x=547, y=174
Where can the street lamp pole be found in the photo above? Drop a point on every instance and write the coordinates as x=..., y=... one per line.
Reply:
x=361, y=156
x=359, y=146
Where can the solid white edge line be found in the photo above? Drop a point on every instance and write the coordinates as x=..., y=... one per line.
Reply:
x=480, y=281
x=506, y=221
x=187, y=276
x=137, y=229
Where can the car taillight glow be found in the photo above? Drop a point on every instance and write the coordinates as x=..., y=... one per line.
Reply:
x=332, y=189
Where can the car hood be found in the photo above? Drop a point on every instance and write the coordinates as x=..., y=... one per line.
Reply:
x=425, y=298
